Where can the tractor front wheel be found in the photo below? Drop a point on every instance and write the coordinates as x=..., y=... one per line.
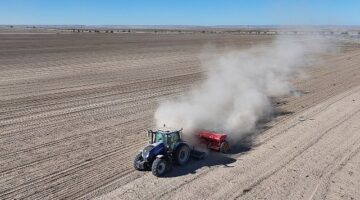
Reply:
x=138, y=158
x=159, y=167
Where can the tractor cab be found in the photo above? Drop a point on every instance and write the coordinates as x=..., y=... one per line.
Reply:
x=168, y=137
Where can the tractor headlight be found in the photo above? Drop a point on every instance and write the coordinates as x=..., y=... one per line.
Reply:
x=145, y=154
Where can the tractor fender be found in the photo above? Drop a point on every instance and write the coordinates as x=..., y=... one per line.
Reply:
x=180, y=144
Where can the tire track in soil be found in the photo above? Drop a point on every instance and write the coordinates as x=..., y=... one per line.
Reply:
x=271, y=173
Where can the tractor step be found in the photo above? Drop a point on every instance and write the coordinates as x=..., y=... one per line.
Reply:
x=197, y=154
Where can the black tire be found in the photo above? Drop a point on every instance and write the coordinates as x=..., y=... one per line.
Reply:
x=224, y=147
x=182, y=154
x=159, y=167
x=138, y=158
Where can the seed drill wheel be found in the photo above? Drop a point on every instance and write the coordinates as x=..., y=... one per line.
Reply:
x=224, y=147
x=159, y=167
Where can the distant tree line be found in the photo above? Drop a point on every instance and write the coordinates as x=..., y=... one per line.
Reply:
x=92, y=30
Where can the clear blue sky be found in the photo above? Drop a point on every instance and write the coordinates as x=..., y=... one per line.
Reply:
x=181, y=12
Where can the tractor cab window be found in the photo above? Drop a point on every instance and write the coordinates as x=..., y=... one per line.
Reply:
x=168, y=140
x=158, y=137
x=175, y=137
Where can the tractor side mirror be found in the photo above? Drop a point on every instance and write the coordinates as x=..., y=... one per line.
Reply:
x=149, y=133
x=180, y=133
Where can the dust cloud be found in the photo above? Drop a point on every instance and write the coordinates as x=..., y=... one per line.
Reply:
x=238, y=86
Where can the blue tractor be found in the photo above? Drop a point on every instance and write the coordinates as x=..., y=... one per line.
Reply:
x=165, y=148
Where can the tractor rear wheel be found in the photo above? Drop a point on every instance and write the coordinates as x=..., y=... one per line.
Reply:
x=182, y=154
x=159, y=167
x=224, y=147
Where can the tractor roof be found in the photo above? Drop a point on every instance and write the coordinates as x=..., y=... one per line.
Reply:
x=168, y=130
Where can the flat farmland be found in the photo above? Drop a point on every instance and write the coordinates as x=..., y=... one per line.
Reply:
x=74, y=110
